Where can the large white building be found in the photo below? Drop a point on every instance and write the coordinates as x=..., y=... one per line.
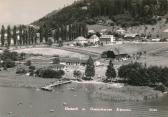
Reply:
x=107, y=39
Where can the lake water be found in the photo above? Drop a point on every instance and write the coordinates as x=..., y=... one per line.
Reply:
x=22, y=102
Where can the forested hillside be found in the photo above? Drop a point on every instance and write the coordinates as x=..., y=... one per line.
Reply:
x=121, y=12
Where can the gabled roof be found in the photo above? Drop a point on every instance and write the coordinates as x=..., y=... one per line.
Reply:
x=130, y=35
x=106, y=36
x=80, y=38
x=94, y=37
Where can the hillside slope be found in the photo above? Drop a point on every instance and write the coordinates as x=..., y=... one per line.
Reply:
x=121, y=12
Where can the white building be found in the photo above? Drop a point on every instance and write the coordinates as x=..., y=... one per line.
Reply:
x=121, y=31
x=164, y=34
x=94, y=39
x=81, y=40
x=107, y=39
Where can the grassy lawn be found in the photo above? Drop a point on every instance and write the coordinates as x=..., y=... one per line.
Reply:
x=50, y=52
x=10, y=79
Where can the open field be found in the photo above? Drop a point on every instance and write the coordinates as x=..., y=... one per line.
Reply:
x=50, y=52
x=126, y=47
x=10, y=79
x=156, y=52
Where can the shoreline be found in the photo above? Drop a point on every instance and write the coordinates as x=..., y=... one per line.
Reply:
x=106, y=91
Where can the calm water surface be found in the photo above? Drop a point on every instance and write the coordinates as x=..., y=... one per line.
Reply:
x=21, y=102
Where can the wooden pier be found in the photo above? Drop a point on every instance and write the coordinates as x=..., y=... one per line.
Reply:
x=58, y=83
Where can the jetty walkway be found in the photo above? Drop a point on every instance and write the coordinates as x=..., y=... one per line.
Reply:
x=58, y=83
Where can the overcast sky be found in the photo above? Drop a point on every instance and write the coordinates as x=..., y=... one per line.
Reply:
x=26, y=11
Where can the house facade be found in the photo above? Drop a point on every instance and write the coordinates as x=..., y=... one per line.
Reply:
x=164, y=34
x=107, y=39
x=94, y=39
x=73, y=61
x=81, y=40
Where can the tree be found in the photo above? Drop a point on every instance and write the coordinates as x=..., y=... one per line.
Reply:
x=41, y=34
x=77, y=74
x=49, y=42
x=14, y=35
x=46, y=31
x=2, y=35
x=28, y=63
x=20, y=34
x=110, y=73
x=60, y=42
x=56, y=60
x=90, y=69
x=9, y=35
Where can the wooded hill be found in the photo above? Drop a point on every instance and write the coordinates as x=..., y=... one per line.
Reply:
x=121, y=12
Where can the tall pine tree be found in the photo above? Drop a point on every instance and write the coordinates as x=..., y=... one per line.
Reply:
x=90, y=69
x=110, y=73
x=15, y=35
x=9, y=35
x=2, y=35
x=41, y=34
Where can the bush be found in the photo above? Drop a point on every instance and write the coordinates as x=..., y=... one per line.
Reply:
x=77, y=74
x=32, y=67
x=49, y=73
x=108, y=54
x=28, y=63
x=8, y=63
x=160, y=88
x=21, y=70
x=138, y=74
x=9, y=55
x=22, y=56
x=56, y=60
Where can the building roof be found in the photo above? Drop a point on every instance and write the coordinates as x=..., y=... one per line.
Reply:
x=91, y=31
x=130, y=35
x=80, y=38
x=94, y=37
x=106, y=36
x=121, y=30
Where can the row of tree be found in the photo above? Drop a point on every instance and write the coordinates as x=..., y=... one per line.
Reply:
x=136, y=74
x=139, y=75
x=63, y=32
x=18, y=35
x=90, y=70
x=28, y=35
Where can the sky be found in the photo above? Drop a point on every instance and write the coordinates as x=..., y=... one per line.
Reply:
x=26, y=11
